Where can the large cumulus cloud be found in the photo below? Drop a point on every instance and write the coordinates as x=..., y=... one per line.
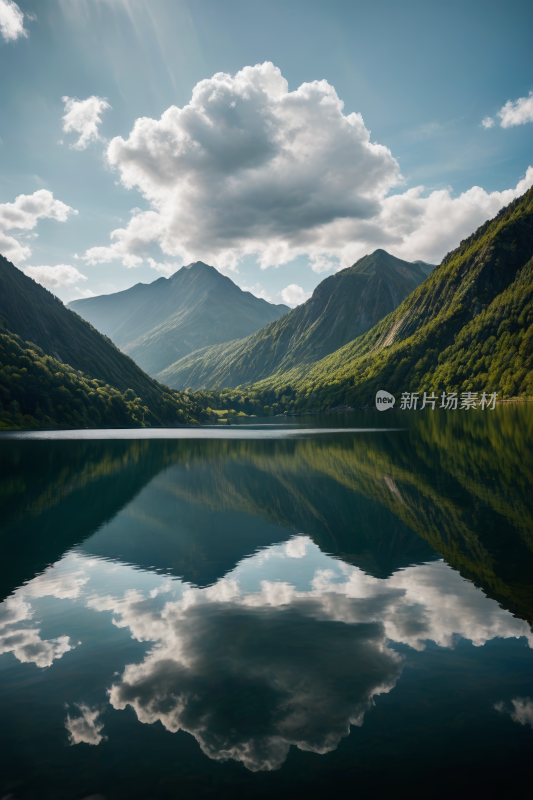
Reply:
x=248, y=167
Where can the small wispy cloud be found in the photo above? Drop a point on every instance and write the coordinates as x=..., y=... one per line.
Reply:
x=12, y=21
x=517, y=113
x=294, y=295
x=23, y=215
x=84, y=117
x=85, y=728
x=514, y=112
x=166, y=268
x=81, y=294
x=522, y=711
x=258, y=291
x=54, y=277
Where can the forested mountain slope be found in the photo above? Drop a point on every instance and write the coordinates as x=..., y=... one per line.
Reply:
x=342, y=307
x=468, y=327
x=160, y=322
x=56, y=369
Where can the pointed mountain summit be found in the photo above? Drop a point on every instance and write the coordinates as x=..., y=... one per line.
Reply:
x=342, y=307
x=160, y=322
x=467, y=328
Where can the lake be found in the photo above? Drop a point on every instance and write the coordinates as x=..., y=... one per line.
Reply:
x=335, y=605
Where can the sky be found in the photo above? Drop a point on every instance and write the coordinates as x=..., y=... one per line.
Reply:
x=279, y=141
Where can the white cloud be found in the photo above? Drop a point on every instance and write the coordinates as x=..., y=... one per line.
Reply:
x=23, y=215
x=65, y=580
x=25, y=643
x=426, y=228
x=28, y=647
x=62, y=581
x=321, y=262
x=78, y=294
x=258, y=291
x=249, y=168
x=296, y=703
x=13, y=610
x=297, y=547
x=85, y=728
x=53, y=277
x=522, y=710
x=517, y=113
x=84, y=117
x=294, y=295
x=304, y=694
x=166, y=268
x=11, y=21
x=488, y=122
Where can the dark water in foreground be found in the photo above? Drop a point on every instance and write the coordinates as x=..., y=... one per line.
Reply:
x=334, y=607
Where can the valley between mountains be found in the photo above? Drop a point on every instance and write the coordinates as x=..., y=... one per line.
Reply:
x=168, y=352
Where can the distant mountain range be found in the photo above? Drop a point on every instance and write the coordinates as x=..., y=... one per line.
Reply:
x=380, y=324
x=468, y=327
x=342, y=307
x=160, y=322
x=56, y=369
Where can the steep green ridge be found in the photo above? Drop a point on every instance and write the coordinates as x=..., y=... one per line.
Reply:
x=342, y=307
x=37, y=391
x=160, y=322
x=55, y=369
x=468, y=327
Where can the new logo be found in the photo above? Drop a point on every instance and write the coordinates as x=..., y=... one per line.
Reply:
x=384, y=400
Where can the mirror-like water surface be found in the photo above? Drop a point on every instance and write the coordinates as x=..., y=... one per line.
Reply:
x=328, y=605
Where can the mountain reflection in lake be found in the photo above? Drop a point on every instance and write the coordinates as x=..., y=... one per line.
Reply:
x=238, y=617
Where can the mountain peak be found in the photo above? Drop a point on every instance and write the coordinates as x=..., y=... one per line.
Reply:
x=342, y=307
x=198, y=265
x=161, y=322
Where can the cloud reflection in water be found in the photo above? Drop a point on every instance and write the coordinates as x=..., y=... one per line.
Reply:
x=290, y=648
x=250, y=672
x=85, y=728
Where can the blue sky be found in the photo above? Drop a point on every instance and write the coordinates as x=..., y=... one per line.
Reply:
x=263, y=173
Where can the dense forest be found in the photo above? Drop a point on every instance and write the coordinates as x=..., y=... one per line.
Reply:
x=37, y=391
x=56, y=370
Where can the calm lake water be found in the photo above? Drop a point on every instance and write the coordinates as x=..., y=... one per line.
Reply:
x=329, y=606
